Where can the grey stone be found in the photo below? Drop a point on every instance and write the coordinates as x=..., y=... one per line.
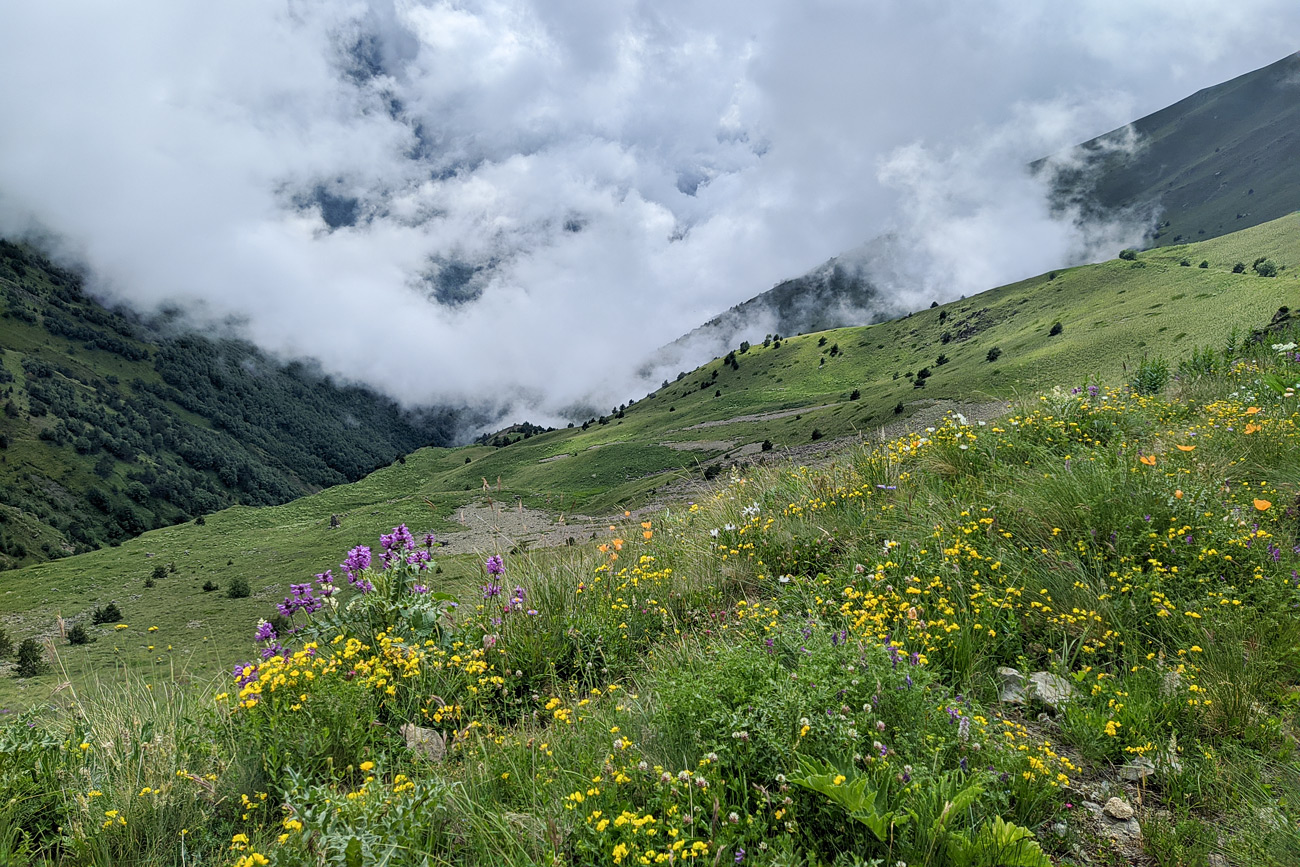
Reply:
x=1125, y=832
x=1137, y=770
x=1118, y=809
x=1012, y=686
x=426, y=742
x=1051, y=689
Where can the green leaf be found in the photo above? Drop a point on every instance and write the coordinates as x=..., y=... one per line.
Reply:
x=1004, y=844
x=352, y=854
x=863, y=804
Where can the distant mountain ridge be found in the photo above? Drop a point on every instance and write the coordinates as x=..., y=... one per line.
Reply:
x=1224, y=159
x=111, y=425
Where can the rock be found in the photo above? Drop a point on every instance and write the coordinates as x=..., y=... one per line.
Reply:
x=1012, y=686
x=425, y=742
x=1051, y=689
x=1127, y=833
x=1137, y=770
x=1118, y=809
x=336, y=521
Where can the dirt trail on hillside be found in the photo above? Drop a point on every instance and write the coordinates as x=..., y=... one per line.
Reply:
x=760, y=416
x=500, y=526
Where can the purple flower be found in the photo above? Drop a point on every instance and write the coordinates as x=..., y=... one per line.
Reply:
x=358, y=560
x=400, y=538
x=430, y=540
x=495, y=565
x=740, y=855
x=265, y=632
x=419, y=588
x=491, y=591
x=1093, y=391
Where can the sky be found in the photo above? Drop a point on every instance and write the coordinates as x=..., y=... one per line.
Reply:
x=512, y=204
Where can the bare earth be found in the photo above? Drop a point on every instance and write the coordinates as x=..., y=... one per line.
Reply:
x=495, y=526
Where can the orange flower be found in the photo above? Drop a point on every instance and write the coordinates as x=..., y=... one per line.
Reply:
x=1253, y=428
x=1149, y=460
x=1262, y=504
x=618, y=544
x=647, y=534
x=1185, y=448
x=1252, y=410
x=645, y=525
x=1178, y=495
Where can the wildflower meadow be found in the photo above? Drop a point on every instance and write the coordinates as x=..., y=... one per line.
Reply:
x=930, y=651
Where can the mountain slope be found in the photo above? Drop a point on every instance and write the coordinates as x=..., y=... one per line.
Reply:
x=109, y=426
x=1224, y=159
x=795, y=394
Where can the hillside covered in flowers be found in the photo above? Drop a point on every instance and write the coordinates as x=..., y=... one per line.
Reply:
x=1067, y=635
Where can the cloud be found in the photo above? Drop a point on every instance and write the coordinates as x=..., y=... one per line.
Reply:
x=513, y=203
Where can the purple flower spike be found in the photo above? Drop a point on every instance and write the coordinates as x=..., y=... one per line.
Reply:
x=399, y=539
x=358, y=560
x=495, y=565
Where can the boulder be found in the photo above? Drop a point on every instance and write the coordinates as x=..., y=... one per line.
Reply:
x=425, y=742
x=1011, y=686
x=1051, y=689
x=1117, y=808
x=1126, y=833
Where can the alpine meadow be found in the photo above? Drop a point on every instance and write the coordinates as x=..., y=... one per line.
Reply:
x=1008, y=578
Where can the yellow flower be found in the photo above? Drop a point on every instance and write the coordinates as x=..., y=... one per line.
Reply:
x=367, y=766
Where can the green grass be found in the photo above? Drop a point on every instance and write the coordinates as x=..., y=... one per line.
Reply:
x=802, y=665
x=1113, y=315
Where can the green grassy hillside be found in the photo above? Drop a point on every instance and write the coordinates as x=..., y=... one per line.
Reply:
x=109, y=427
x=1066, y=635
x=1221, y=160
x=1112, y=316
